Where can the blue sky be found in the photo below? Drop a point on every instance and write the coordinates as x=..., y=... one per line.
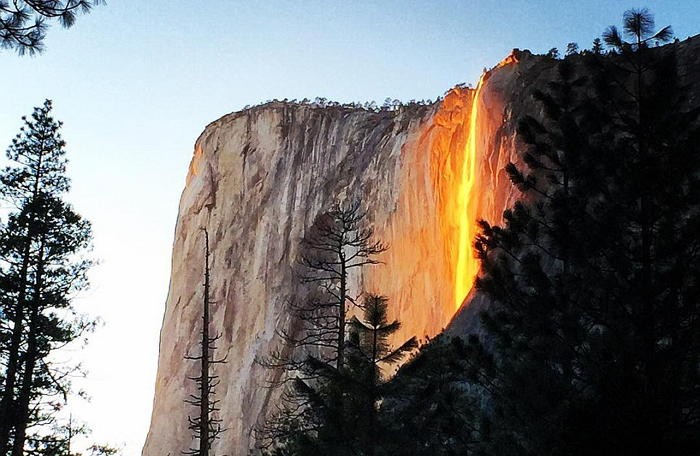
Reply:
x=136, y=82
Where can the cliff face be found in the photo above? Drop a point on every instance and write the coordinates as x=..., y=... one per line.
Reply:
x=258, y=180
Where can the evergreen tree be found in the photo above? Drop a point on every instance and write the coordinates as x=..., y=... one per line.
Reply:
x=370, y=355
x=594, y=325
x=597, y=46
x=343, y=417
x=430, y=408
x=654, y=177
x=338, y=242
x=42, y=267
x=571, y=49
x=527, y=272
x=60, y=441
x=23, y=23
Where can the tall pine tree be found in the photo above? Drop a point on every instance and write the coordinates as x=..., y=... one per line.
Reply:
x=338, y=243
x=594, y=275
x=42, y=267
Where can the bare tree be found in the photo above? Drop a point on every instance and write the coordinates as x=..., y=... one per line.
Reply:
x=338, y=242
x=205, y=427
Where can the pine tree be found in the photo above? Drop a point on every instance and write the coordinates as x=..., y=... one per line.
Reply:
x=23, y=23
x=430, y=407
x=337, y=243
x=343, y=416
x=527, y=270
x=571, y=49
x=41, y=247
x=594, y=275
x=654, y=177
x=597, y=46
x=370, y=355
x=206, y=426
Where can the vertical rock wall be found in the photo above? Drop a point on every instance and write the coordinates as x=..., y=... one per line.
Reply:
x=257, y=181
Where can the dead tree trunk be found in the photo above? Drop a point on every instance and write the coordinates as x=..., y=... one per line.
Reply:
x=206, y=426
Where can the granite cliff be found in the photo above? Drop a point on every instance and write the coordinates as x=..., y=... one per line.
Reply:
x=260, y=177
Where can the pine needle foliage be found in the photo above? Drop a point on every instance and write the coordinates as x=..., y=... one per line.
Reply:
x=43, y=264
x=593, y=275
x=24, y=23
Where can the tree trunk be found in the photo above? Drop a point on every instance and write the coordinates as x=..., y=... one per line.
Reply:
x=341, y=310
x=8, y=410
x=204, y=405
x=373, y=395
x=30, y=363
x=8, y=407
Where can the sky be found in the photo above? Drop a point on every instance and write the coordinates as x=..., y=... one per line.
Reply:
x=135, y=83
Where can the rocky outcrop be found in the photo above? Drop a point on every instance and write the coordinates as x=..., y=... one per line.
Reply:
x=258, y=180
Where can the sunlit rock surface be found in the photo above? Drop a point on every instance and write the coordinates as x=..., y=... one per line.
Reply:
x=257, y=181
x=506, y=97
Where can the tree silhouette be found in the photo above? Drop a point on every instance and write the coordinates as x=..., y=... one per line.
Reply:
x=206, y=426
x=23, y=23
x=429, y=407
x=638, y=24
x=342, y=417
x=370, y=354
x=594, y=325
x=337, y=243
x=42, y=267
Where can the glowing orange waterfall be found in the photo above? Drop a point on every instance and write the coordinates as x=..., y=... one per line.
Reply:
x=450, y=177
x=467, y=265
